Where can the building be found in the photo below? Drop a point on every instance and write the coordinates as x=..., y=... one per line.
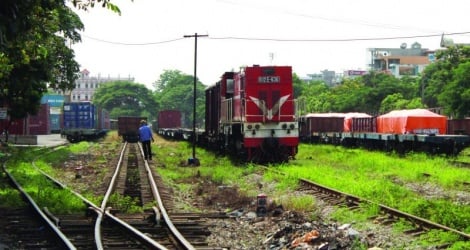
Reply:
x=86, y=85
x=331, y=78
x=400, y=61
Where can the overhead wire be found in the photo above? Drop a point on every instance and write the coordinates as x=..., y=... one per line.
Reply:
x=278, y=39
x=132, y=44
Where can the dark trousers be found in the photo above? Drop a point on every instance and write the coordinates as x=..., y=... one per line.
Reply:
x=147, y=150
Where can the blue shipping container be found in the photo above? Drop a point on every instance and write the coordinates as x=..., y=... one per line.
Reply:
x=55, y=123
x=79, y=115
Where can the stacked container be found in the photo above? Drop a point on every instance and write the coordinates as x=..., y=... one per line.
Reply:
x=79, y=115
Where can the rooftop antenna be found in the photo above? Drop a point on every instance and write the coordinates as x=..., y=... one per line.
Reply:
x=271, y=57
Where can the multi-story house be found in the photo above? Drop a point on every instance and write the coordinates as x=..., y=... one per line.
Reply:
x=86, y=86
x=400, y=61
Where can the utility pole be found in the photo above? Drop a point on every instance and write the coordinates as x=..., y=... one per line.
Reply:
x=194, y=160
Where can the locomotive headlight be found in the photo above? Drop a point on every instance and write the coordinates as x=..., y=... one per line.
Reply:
x=250, y=126
x=257, y=126
x=292, y=126
x=284, y=126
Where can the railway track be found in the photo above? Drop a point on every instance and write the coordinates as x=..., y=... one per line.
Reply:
x=387, y=215
x=103, y=227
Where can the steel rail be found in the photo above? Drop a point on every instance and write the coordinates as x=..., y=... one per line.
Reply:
x=162, y=209
x=104, y=202
x=393, y=211
x=38, y=210
x=149, y=242
x=99, y=211
x=99, y=219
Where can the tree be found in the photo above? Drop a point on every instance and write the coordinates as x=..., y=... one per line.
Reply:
x=124, y=98
x=397, y=101
x=352, y=96
x=316, y=97
x=175, y=90
x=455, y=96
x=443, y=81
x=373, y=93
x=91, y=3
x=34, y=52
x=298, y=85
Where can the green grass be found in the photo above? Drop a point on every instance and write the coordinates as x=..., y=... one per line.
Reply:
x=377, y=176
x=381, y=178
x=124, y=204
x=46, y=194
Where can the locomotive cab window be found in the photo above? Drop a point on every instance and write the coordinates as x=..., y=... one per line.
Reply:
x=230, y=86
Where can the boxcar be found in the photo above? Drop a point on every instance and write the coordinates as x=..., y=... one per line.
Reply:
x=458, y=126
x=316, y=127
x=128, y=127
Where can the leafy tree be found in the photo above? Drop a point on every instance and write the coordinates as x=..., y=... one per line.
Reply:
x=373, y=93
x=397, y=101
x=316, y=96
x=33, y=52
x=443, y=83
x=175, y=90
x=124, y=98
x=85, y=5
x=350, y=96
x=297, y=84
x=456, y=94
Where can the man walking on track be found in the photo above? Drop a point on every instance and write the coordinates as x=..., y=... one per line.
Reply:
x=145, y=135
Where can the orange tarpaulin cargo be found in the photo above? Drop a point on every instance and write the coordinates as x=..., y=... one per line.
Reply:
x=412, y=121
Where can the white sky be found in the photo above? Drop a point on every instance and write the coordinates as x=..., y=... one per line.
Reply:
x=159, y=26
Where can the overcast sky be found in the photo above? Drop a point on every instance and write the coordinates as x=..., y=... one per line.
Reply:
x=311, y=36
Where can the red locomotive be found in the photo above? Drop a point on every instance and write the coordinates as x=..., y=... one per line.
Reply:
x=253, y=113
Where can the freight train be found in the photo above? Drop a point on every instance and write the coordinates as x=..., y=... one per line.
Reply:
x=84, y=121
x=251, y=114
x=128, y=127
x=399, y=130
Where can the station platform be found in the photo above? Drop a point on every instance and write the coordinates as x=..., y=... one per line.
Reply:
x=35, y=140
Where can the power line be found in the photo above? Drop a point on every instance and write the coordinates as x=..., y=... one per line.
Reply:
x=281, y=40
x=132, y=44
x=335, y=40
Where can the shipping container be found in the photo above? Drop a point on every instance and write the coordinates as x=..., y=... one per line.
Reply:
x=55, y=121
x=39, y=124
x=169, y=119
x=16, y=127
x=79, y=115
x=103, y=119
